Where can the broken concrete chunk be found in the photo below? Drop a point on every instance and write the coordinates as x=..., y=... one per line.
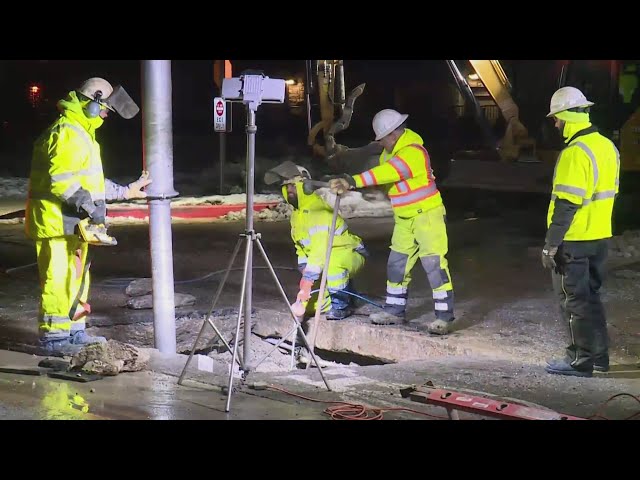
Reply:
x=275, y=325
x=146, y=301
x=139, y=287
x=110, y=358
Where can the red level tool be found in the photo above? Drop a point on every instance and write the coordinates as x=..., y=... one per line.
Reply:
x=453, y=401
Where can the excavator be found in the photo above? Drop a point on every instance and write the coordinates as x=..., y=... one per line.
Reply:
x=509, y=157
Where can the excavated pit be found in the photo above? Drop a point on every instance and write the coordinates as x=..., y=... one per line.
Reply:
x=354, y=341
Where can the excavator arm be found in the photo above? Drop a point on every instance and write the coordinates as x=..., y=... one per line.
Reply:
x=326, y=85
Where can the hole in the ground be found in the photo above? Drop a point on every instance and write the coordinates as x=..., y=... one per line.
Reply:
x=348, y=358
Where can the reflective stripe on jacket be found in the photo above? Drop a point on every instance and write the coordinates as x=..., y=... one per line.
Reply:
x=587, y=174
x=408, y=169
x=66, y=157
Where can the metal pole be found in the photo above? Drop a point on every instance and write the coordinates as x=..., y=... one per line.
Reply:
x=223, y=153
x=158, y=159
x=219, y=73
x=251, y=149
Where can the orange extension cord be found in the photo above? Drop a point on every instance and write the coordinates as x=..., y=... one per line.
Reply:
x=358, y=411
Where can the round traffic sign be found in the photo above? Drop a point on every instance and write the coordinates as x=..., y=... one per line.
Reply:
x=219, y=108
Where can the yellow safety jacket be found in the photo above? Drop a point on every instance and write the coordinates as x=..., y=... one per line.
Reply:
x=408, y=168
x=66, y=157
x=310, y=224
x=587, y=174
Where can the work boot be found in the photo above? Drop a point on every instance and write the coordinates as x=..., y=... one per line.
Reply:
x=386, y=318
x=439, y=327
x=563, y=367
x=600, y=368
x=81, y=338
x=59, y=348
x=304, y=358
x=338, y=314
x=601, y=363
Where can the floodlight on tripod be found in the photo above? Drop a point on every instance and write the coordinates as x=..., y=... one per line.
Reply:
x=252, y=88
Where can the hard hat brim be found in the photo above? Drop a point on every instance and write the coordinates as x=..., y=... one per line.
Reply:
x=558, y=110
x=392, y=127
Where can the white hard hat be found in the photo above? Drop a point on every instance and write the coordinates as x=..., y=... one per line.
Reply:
x=94, y=85
x=566, y=98
x=386, y=121
x=303, y=171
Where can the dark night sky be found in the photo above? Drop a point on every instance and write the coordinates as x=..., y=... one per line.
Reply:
x=417, y=86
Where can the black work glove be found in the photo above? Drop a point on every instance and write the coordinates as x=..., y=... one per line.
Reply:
x=82, y=203
x=548, y=257
x=99, y=213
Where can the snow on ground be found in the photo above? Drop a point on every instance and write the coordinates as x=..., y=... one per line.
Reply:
x=352, y=204
x=13, y=187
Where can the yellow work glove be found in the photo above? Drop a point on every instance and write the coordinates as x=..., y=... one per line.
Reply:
x=341, y=184
x=134, y=189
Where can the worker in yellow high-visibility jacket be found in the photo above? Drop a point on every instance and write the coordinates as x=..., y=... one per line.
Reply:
x=420, y=219
x=585, y=184
x=310, y=226
x=67, y=185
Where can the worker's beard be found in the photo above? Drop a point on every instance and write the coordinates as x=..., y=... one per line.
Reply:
x=290, y=195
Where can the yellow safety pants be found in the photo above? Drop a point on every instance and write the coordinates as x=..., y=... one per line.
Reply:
x=64, y=282
x=344, y=265
x=423, y=236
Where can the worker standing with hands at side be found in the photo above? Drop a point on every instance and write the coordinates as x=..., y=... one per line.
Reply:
x=420, y=219
x=66, y=210
x=585, y=183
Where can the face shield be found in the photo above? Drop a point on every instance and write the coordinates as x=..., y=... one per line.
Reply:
x=285, y=172
x=122, y=103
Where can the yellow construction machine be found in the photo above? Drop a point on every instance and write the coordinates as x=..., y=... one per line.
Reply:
x=512, y=158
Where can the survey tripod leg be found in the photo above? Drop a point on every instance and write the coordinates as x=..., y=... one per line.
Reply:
x=243, y=293
x=208, y=317
x=297, y=323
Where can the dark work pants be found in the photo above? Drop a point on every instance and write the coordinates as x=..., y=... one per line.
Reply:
x=577, y=286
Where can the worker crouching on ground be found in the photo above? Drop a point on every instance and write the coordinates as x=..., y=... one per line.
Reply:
x=66, y=210
x=585, y=183
x=311, y=221
x=420, y=219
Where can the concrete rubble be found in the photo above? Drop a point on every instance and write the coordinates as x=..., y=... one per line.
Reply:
x=140, y=295
x=110, y=358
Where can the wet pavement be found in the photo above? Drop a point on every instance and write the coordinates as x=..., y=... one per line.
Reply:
x=504, y=301
x=130, y=396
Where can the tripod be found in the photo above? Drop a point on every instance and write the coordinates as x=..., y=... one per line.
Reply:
x=250, y=237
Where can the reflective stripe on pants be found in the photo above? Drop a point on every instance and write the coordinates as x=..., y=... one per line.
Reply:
x=577, y=288
x=425, y=237
x=344, y=264
x=61, y=266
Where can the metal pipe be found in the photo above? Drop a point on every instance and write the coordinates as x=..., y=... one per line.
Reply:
x=251, y=149
x=158, y=160
x=342, y=92
x=309, y=90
